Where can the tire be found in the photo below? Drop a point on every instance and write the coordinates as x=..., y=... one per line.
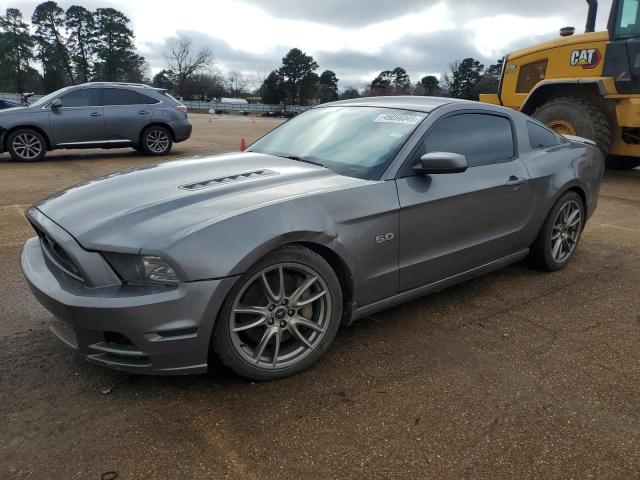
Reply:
x=577, y=116
x=543, y=251
x=279, y=313
x=156, y=140
x=622, y=163
x=26, y=145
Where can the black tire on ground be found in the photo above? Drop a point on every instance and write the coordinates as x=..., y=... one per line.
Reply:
x=580, y=114
x=622, y=163
x=26, y=145
x=223, y=344
x=542, y=250
x=156, y=140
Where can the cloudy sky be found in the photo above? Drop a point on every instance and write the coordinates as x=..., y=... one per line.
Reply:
x=355, y=38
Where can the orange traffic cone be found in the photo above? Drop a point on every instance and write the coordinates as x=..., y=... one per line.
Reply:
x=243, y=145
x=210, y=118
x=253, y=120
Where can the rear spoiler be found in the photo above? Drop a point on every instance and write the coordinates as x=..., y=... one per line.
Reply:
x=574, y=138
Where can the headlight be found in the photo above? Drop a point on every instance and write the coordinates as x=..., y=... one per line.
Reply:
x=141, y=269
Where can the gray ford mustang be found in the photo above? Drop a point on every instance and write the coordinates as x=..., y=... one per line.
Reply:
x=258, y=257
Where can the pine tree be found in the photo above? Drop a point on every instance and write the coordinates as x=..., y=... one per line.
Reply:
x=16, y=51
x=48, y=18
x=82, y=41
x=116, y=57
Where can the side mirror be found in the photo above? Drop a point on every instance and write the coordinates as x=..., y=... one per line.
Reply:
x=441, y=162
x=56, y=104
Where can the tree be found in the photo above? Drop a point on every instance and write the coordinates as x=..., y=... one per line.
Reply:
x=464, y=79
x=236, y=84
x=16, y=50
x=491, y=78
x=391, y=82
x=185, y=62
x=116, y=58
x=349, y=93
x=272, y=89
x=400, y=81
x=204, y=86
x=328, y=91
x=164, y=79
x=382, y=84
x=296, y=74
x=81, y=43
x=429, y=85
x=49, y=20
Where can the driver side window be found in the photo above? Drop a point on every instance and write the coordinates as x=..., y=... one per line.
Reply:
x=85, y=97
x=483, y=139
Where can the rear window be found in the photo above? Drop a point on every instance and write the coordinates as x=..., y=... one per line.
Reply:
x=541, y=137
x=121, y=96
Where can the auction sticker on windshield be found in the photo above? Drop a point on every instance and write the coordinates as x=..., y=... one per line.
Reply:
x=401, y=118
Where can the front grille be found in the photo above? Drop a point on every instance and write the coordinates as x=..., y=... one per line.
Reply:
x=215, y=182
x=58, y=254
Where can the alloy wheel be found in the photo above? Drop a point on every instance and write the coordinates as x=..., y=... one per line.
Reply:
x=566, y=231
x=280, y=315
x=157, y=141
x=27, y=146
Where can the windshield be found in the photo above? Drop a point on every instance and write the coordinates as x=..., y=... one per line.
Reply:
x=48, y=98
x=354, y=141
x=628, y=21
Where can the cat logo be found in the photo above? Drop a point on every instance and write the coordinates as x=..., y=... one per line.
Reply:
x=588, y=58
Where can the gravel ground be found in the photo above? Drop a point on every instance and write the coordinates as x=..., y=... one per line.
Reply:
x=518, y=374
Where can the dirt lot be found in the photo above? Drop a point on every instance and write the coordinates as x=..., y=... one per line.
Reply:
x=518, y=374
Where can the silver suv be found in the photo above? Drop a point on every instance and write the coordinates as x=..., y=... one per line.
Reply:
x=95, y=115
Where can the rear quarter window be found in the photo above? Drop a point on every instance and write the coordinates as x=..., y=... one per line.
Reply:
x=541, y=137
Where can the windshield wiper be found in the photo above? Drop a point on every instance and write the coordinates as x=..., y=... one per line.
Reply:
x=300, y=159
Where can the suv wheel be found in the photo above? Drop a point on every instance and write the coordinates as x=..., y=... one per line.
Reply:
x=156, y=140
x=281, y=316
x=26, y=145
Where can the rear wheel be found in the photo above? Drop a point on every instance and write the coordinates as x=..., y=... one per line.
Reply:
x=156, y=140
x=281, y=316
x=576, y=116
x=558, y=239
x=26, y=145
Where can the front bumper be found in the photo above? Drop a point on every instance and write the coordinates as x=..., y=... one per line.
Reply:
x=153, y=330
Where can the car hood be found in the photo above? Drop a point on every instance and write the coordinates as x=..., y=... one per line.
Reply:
x=125, y=211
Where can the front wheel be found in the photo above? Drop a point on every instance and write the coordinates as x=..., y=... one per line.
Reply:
x=156, y=140
x=26, y=145
x=558, y=239
x=281, y=316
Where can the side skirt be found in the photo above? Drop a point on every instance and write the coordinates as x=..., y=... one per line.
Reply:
x=436, y=286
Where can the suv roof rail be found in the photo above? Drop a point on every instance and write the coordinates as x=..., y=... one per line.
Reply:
x=122, y=84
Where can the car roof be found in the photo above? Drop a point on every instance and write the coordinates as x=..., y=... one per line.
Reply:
x=416, y=103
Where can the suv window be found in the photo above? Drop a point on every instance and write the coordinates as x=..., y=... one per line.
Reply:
x=84, y=97
x=484, y=139
x=541, y=137
x=121, y=96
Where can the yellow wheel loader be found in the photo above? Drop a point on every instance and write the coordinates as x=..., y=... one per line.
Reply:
x=586, y=85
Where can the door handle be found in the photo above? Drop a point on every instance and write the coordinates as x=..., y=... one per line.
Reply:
x=515, y=181
x=95, y=114
x=143, y=112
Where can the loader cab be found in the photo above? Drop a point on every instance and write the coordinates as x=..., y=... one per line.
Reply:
x=622, y=60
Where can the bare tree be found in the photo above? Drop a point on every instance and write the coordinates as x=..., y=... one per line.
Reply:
x=236, y=84
x=185, y=61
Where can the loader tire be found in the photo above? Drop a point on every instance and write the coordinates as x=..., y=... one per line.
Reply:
x=577, y=116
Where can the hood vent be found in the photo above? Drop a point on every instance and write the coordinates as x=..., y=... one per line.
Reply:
x=241, y=177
